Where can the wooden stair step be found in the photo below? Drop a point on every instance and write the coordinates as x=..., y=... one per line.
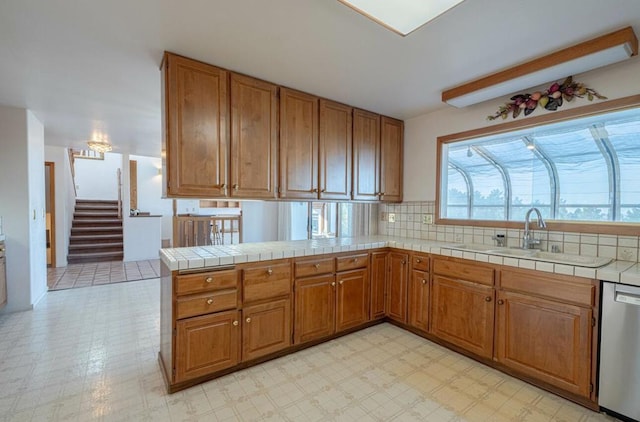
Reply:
x=95, y=238
x=98, y=221
x=77, y=258
x=94, y=215
x=92, y=246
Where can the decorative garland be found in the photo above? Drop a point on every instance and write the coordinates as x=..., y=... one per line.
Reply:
x=550, y=99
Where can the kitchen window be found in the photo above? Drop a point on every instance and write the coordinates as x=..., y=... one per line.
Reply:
x=581, y=169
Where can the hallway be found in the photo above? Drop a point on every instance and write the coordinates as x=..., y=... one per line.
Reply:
x=98, y=273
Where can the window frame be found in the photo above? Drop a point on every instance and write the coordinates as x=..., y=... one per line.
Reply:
x=617, y=228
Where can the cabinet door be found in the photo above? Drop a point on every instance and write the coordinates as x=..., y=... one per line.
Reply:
x=366, y=156
x=196, y=128
x=315, y=301
x=298, y=145
x=419, y=300
x=266, y=328
x=391, y=159
x=335, y=150
x=254, y=137
x=206, y=344
x=548, y=340
x=3, y=280
x=379, y=272
x=396, y=306
x=352, y=299
x=462, y=313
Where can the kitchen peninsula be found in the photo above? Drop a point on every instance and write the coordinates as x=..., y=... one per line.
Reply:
x=224, y=308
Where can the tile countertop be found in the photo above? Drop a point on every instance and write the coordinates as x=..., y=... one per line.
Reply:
x=211, y=256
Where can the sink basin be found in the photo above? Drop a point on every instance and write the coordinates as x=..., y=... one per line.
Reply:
x=579, y=260
x=535, y=255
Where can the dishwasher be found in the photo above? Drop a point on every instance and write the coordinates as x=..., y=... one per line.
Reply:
x=620, y=351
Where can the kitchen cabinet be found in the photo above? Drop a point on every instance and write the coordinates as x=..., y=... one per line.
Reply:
x=462, y=304
x=418, y=294
x=254, y=138
x=298, y=145
x=315, y=308
x=396, y=300
x=196, y=128
x=379, y=274
x=548, y=338
x=266, y=313
x=352, y=299
x=366, y=156
x=206, y=344
x=335, y=150
x=391, y=159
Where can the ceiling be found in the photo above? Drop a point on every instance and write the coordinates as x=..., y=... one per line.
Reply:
x=83, y=66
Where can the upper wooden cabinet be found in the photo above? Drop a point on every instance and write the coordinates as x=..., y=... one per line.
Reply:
x=254, y=138
x=366, y=156
x=335, y=150
x=391, y=159
x=196, y=128
x=298, y=145
x=377, y=157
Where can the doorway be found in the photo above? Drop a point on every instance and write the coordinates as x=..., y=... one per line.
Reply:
x=50, y=221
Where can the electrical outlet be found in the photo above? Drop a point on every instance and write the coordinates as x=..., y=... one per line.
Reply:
x=392, y=217
x=427, y=218
x=383, y=216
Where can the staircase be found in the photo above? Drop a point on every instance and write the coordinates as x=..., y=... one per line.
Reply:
x=96, y=232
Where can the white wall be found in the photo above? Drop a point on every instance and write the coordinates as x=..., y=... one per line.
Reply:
x=259, y=221
x=97, y=179
x=65, y=200
x=421, y=132
x=22, y=169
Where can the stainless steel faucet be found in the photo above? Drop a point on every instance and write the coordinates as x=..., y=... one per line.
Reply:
x=528, y=242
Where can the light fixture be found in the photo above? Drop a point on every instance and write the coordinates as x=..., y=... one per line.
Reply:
x=99, y=143
x=401, y=16
x=588, y=55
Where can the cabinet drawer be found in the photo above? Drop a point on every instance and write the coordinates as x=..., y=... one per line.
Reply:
x=560, y=288
x=205, y=303
x=352, y=262
x=266, y=281
x=420, y=262
x=204, y=282
x=314, y=267
x=464, y=271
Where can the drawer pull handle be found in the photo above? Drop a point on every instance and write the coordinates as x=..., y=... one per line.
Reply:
x=487, y=299
x=424, y=281
x=209, y=301
x=269, y=271
x=209, y=280
x=235, y=323
x=501, y=302
x=317, y=266
x=248, y=320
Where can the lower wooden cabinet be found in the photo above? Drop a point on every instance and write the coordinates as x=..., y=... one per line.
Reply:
x=315, y=308
x=419, y=300
x=396, y=303
x=379, y=272
x=352, y=299
x=548, y=340
x=206, y=344
x=462, y=313
x=266, y=328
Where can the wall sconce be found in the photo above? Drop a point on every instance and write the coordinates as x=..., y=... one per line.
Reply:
x=588, y=55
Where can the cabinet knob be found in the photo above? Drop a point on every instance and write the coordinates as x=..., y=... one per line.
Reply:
x=223, y=186
x=418, y=260
x=501, y=302
x=404, y=262
x=341, y=282
x=269, y=271
x=381, y=193
x=333, y=283
x=235, y=323
x=424, y=281
x=248, y=320
x=235, y=186
x=315, y=190
x=209, y=301
x=317, y=266
x=355, y=260
x=487, y=299
x=209, y=280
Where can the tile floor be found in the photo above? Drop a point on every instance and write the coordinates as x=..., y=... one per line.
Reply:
x=90, y=354
x=83, y=275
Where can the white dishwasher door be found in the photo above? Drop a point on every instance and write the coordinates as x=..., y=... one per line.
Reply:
x=620, y=350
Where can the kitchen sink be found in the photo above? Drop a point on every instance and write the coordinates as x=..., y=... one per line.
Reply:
x=535, y=255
